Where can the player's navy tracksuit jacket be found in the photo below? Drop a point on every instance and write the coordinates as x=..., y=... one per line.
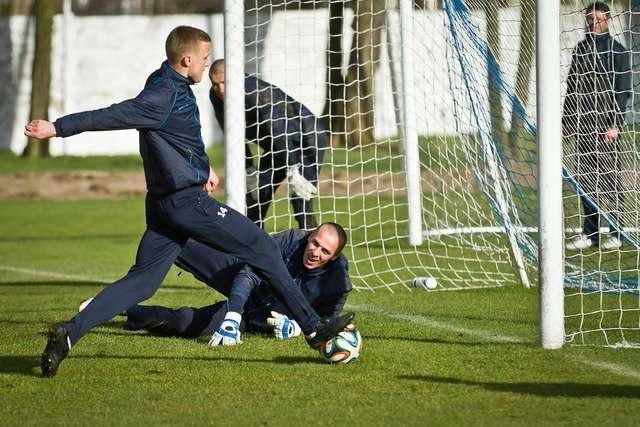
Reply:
x=288, y=133
x=325, y=288
x=177, y=208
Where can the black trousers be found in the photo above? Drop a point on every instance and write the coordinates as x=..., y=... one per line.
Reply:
x=600, y=177
x=272, y=171
x=181, y=322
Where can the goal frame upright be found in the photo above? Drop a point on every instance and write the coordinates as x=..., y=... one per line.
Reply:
x=549, y=135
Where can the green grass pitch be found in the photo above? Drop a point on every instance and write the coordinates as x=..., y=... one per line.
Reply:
x=437, y=358
x=429, y=358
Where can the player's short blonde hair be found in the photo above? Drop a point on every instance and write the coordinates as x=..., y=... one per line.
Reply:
x=181, y=40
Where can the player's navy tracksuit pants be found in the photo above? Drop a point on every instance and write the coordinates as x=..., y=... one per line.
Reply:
x=181, y=322
x=171, y=220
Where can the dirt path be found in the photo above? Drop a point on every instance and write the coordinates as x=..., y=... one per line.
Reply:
x=70, y=185
x=73, y=185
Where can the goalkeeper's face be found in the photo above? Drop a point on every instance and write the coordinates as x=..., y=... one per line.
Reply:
x=217, y=84
x=321, y=248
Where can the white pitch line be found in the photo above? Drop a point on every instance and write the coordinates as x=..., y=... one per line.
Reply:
x=32, y=272
x=489, y=336
x=57, y=275
x=423, y=320
x=613, y=368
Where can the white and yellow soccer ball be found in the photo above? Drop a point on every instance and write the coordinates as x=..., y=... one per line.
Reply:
x=344, y=347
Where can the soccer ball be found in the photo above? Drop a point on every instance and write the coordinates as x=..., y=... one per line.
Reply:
x=343, y=348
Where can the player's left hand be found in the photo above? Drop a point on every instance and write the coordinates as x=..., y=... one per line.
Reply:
x=283, y=327
x=212, y=181
x=298, y=184
x=228, y=333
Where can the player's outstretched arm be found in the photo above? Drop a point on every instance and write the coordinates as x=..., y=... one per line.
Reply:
x=40, y=129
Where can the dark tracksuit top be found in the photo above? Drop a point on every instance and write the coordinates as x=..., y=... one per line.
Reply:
x=598, y=89
x=288, y=134
x=177, y=208
x=325, y=288
x=167, y=118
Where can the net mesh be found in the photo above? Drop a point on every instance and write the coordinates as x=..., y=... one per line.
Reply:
x=474, y=96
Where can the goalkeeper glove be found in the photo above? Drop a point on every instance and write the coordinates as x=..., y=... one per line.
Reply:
x=298, y=184
x=229, y=331
x=283, y=327
x=253, y=186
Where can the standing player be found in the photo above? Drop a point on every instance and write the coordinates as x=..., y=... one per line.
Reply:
x=598, y=88
x=314, y=260
x=292, y=140
x=178, y=178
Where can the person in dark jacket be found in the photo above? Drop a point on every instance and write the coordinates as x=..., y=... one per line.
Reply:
x=313, y=259
x=598, y=88
x=292, y=140
x=178, y=178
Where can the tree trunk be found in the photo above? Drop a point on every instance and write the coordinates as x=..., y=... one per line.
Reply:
x=523, y=74
x=41, y=75
x=333, y=112
x=364, y=60
x=493, y=60
x=8, y=92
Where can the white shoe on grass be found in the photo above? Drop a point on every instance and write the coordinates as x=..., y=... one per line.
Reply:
x=84, y=304
x=579, y=242
x=611, y=243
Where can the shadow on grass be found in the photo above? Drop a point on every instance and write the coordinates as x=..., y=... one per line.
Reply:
x=23, y=365
x=560, y=389
x=210, y=357
x=30, y=365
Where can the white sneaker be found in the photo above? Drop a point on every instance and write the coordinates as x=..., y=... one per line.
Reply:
x=578, y=243
x=84, y=304
x=611, y=243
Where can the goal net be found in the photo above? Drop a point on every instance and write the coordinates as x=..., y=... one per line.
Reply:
x=446, y=90
x=602, y=303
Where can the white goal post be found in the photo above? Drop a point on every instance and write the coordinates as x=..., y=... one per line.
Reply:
x=551, y=269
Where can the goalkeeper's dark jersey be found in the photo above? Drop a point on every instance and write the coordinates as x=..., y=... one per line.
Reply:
x=276, y=122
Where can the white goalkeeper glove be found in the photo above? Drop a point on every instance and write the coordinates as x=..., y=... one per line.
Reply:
x=253, y=186
x=298, y=184
x=229, y=331
x=283, y=327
